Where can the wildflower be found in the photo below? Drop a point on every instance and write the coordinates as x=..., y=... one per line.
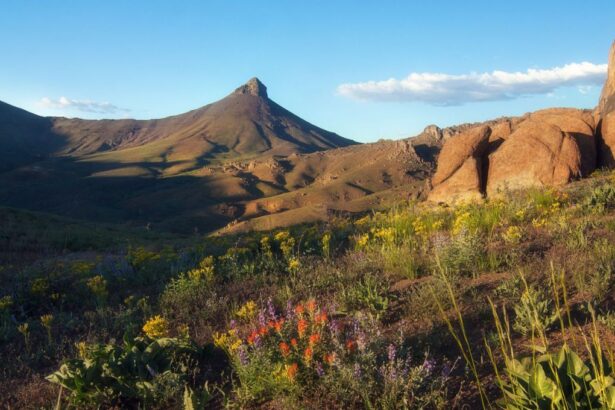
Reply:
x=319, y=370
x=242, y=354
x=329, y=358
x=307, y=354
x=321, y=318
x=228, y=341
x=156, y=327
x=362, y=241
x=301, y=327
x=277, y=325
x=351, y=345
x=5, y=303
x=252, y=337
x=271, y=309
x=391, y=353
x=299, y=309
x=314, y=339
x=285, y=349
x=294, y=264
x=247, y=311
x=293, y=342
x=311, y=305
x=184, y=331
x=357, y=373
x=82, y=349
x=262, y=331
x=204, y=272
x=47, y=321
x=429, y=365
x=512, y=235
x=292, y=370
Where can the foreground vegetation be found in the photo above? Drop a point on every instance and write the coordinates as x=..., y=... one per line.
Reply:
x=505, y=304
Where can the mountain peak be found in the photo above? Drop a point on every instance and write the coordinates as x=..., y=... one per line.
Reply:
x=253, y=87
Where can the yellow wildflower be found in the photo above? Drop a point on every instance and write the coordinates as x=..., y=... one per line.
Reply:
x=247, y=311
x=156, y=327
x=512, y=235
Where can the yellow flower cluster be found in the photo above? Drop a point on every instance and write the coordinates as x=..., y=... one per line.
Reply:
x=294, y=264
x=97, y=285
x=156, y=327
x=362, y=241
x=228, y=341
x=286, y=242
x=204, y=272
x=5, y=303
x=247, y=311
x=363, y=221
x=386, y=235
x=462, y=221
x=512, y=235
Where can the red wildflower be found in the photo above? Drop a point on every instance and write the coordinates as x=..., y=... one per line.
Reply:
x=351, y=345
x=278, y=325
x=321, y=318
x=252, y=337
x=314, y=338
x=307, y=354
x=299, y=309
x=262, y=331
x=291, y=371
x=284, y=348
x=311, y=305
x=329, y=358
x=301, y=327
x=293, y=342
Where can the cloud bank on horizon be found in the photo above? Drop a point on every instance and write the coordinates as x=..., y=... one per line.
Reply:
x=88, y=106
x=447, y=89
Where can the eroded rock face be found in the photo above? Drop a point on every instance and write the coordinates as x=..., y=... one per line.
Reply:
x=538, y=153
x=458, y=174
x=606, y=113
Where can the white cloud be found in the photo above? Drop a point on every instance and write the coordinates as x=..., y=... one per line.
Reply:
x=89, y=106
x=447, y=89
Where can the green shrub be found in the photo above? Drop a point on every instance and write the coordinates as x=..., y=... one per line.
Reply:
x=534, y=313
x=142, y=370
x=601, y=199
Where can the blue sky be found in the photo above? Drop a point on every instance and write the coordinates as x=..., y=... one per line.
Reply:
x=149, y=59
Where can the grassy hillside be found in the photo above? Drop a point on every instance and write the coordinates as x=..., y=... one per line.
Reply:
x=415, y=306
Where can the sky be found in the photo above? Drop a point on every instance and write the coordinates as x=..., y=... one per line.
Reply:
x=364, y=69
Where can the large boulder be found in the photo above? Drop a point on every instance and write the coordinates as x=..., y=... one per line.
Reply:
x=538, y=153
x=458, y=176
x=579, y=124
x=606, y=113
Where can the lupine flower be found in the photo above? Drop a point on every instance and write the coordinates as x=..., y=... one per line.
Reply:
x=289, y=310
x=243, y=355
x=319, y=370
x=391, y=353
x=291, y=371
x=301, y=327
x=233, y=324
x=262, y=319
x=429, y=365
x=357, y=373
x=335, y=327
x=284, y=348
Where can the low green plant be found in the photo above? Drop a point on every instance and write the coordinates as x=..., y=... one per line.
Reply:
x=534, y=312
x=368, y=293
x=601, y=199
x=136, y=372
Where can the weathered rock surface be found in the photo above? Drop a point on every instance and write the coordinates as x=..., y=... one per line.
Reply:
x=606, y=112
x=458, y=175
x=538, y=153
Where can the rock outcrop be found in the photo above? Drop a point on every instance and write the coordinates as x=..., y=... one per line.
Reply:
x=606, y=114
x=538, y=153
x=458, y=176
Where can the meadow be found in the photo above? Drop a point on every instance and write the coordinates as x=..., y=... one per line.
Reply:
x=501, y=304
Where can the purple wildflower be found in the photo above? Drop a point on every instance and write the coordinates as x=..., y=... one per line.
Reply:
x=357, y=371
x=319, y=370
x=243, y=355
x=429, y=365
x=290, y=312
x=233, y=324
x=392, y=353
x=262, y=318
